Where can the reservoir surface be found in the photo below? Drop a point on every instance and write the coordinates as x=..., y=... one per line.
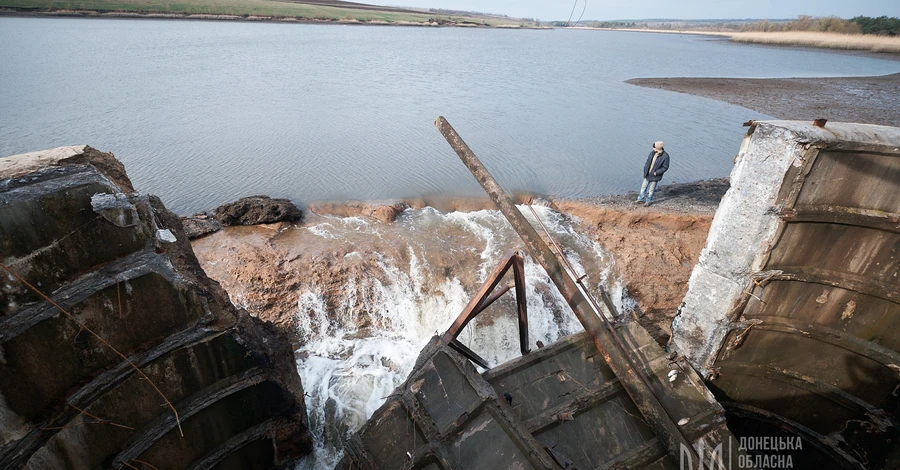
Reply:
x=205, y=112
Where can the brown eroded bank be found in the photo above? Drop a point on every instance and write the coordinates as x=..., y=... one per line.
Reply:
x=653, y=249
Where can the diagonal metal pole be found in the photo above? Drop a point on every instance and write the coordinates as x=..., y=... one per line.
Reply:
x=649, y=405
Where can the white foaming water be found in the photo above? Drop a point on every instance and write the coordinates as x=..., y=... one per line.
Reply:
x=358, y=351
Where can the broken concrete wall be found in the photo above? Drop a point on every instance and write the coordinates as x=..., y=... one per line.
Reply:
x=122, y=282
x=746, y=224
x=743, y=226
x=793, y=313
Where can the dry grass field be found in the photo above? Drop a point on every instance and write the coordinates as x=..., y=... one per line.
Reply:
x=311, y=10
x=861, y=42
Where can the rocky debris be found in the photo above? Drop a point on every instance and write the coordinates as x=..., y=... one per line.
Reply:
x=199, y=225
x=60, y=157
x=385, y=212
x=698, y=197
x=255, y=210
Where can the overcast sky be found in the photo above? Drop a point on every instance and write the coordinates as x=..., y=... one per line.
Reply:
x=549, y=10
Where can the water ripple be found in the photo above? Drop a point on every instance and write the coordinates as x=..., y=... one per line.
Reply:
x=205, y=112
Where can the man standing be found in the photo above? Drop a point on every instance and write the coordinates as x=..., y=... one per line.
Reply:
x=657, y=164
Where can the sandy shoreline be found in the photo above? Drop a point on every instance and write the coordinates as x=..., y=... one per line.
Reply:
x=869, y=100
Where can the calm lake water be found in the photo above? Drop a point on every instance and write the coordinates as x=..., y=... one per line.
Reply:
x=202, y=113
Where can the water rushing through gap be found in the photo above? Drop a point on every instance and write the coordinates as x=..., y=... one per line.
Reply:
x=357, y=351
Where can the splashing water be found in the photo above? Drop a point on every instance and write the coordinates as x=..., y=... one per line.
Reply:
x=361, y=340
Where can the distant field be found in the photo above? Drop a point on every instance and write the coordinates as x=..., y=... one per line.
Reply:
x=332, y=10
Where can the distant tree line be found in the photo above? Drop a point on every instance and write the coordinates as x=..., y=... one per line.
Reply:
x=597, y=24
x=611, y=24
x=444, y=11
x=882, y=25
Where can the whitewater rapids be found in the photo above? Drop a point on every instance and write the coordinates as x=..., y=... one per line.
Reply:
x=406, y=282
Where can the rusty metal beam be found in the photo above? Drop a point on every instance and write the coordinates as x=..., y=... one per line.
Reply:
x=844, y=280
x=147, y=437
x=879, y=220
x=493, y=297
x=467, y=353
x=472, y=308
x=521, y=304
x=823, y=334
x=234, y=444
x=649, y=405
x=581, y=402
x=90, y=392
x=801, y=381
x=485, y=297
x=536, y=356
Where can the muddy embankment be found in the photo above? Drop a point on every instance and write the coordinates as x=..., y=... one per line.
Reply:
x=869, y=100
x=654, y=248
x=342, y=252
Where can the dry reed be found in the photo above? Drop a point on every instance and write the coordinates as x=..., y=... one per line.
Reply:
x=861, y=42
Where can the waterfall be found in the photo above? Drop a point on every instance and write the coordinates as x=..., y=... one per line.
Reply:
x=408, y=281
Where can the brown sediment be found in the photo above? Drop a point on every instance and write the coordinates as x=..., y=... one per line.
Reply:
x=264, y=268
x=869, y=100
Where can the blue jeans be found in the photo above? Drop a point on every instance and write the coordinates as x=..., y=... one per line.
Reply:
x=647, y=187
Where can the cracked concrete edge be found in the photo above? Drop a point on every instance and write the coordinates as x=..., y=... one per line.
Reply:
x=744, y=225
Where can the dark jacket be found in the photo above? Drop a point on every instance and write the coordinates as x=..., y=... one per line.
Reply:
x=662, y=164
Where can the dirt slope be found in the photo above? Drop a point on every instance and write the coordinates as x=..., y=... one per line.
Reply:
x=655, y=248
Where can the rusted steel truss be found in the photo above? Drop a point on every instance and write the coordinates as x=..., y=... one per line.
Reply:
x=485, y=297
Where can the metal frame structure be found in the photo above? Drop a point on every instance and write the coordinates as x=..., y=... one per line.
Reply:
x=485, y=297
